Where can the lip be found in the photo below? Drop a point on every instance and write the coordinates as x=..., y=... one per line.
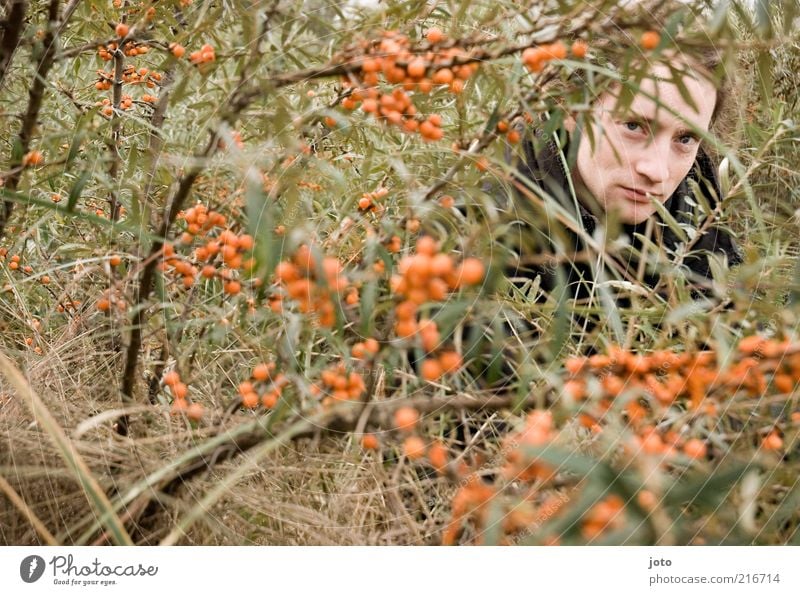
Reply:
x=637, y=196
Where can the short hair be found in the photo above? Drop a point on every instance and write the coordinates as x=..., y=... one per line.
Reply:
x=712, y=63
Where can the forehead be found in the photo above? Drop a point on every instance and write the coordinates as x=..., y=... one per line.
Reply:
x=659, y=94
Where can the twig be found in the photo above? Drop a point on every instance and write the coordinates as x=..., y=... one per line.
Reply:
x=29, y=514
x=116, y=127
x=35, y=98
x=12, y=30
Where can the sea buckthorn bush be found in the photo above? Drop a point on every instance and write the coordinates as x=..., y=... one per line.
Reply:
x=276, y=249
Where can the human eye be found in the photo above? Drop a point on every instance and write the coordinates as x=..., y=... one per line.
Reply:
x=631, y=125
x=687, y=141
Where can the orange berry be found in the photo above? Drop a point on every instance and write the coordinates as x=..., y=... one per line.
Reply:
x=286, y=272
x=115, y=260
x=416, y=68
x=33, y=158
x=245, y=242
x=437, y=455
x=369, y=442
x=695, y=448
x=179, y=406
x=414, y=447
x=426, y=245
x=180, y=390
x=232, y=287
x=772, y=441
x=425, y=85
x=428, y=130
x=262, y=371
x=172, y=378
x=177, y=50
x=372, y=346
x=195, y=412
x=784, y=383
x=443, y=76
x=446, y=201
x=270, y=399
x=434, y=35
x=513, y=136
x=358, y=351
x=442, y=265
x=556, y=50
x=471, y=271
x=406, y=418
x=646, y=499
x=650, y=40
x=450, y=361
x=575, y=388
x=431, y=370
x=250, y=400
x=103, y=304
x=122, y=30
x=574, y=365
x=369, y=105
x=579, y=48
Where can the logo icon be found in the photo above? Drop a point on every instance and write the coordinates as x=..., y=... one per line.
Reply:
x=31, y=568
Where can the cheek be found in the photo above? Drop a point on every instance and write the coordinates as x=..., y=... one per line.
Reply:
x=681, y=169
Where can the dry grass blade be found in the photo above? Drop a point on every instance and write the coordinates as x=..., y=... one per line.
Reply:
x=228, y=482
x=35, y=521
x=76, y=464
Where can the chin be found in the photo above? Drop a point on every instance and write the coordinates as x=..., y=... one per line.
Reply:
x=632, y=213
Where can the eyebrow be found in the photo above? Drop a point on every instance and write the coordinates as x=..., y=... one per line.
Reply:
x=682, y=131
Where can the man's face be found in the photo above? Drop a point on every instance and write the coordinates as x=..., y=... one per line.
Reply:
x=645, y=151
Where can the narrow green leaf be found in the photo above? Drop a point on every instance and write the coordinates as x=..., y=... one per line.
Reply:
x=76, y=190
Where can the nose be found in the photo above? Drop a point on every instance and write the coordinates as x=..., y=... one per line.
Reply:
x=652, y=163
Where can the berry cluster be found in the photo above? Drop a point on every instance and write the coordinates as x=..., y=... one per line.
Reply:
x=264, y=387
x=430, y=275
x=421, y=71
x=337, y=384
x=368, y=200
x=300, y=279
x=406, y=421
x=180, y=392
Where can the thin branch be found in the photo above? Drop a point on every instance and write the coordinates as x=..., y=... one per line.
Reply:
x=116, y=128
x=31, y=117
x=12, y=31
